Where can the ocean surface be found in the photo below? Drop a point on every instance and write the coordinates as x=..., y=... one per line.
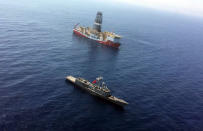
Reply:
x=158, y=68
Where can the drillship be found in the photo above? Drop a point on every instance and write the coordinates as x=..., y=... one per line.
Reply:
x=97, y=88
x=106, y=38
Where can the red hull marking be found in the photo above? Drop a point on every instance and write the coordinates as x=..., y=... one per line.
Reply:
x=78, y=33
x=109, y=43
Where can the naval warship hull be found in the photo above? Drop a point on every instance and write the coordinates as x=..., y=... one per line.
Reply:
x=110, y=98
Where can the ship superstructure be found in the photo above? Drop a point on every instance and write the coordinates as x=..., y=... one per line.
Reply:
x=97, y=88
x=95, y=33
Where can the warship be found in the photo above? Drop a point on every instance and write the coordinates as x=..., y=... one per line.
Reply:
x=97, y=88
x=95, y=33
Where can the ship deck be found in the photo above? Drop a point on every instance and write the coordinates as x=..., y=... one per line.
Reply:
x=71, y=79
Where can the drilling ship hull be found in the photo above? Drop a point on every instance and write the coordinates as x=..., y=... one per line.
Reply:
x=96, y=34
x=108, y=43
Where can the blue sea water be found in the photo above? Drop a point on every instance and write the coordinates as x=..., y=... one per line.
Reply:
x=158, y=68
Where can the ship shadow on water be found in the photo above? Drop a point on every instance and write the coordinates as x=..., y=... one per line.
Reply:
x=97, y=99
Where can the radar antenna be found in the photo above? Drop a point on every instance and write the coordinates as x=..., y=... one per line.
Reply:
x=99, y=79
